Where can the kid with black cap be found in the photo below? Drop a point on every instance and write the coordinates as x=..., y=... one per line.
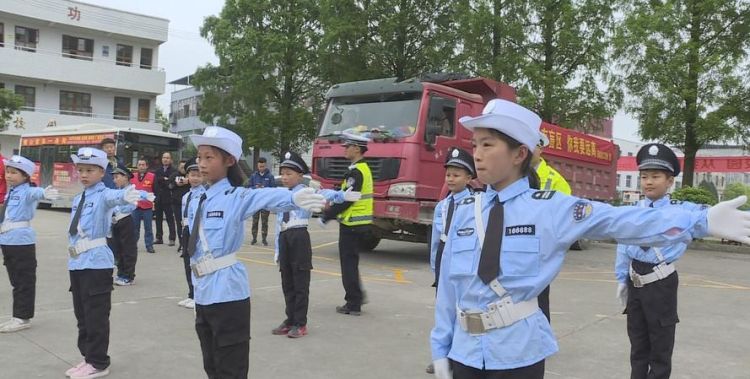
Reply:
x=123, y=242
x=187, y=211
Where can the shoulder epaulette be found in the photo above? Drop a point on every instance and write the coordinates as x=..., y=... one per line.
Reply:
x=676, y=201
x=231, y=190
x=467, y=200
x=543, y=195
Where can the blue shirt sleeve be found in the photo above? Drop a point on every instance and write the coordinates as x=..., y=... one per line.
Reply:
x=622, y=264
x=441, y=337
x=272, y=199
x=437, y=230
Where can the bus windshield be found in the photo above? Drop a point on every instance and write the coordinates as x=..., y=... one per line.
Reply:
x=373, y=116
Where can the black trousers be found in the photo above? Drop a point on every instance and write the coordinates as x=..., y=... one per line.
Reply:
x=124, y=247
x=92, y=302
x=224, y=333
x=349, y=237
x=295, y=263
x=177, y=212
x=20, y=261
x=543, y=300
x=263, y=217
x=652, y=321
x=162, y=210
x=184, y=238
x=535, y=371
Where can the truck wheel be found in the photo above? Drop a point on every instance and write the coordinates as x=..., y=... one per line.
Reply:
x=369, y=242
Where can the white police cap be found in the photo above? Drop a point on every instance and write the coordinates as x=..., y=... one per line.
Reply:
x=21, y=163
x=353, y=139
x=222, y=138
x=508, y=118
x=92, y=156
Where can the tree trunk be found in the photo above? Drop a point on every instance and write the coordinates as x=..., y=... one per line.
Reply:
x=691, y=98
x=496, y=43
x=548, y=35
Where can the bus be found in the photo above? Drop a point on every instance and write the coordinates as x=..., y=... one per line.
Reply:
x=51, y=148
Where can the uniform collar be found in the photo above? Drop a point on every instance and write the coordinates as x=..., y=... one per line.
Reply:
x=22, y=185
x=516, y=188
x=298, y=187
x=94, y=187
x=218, y=187
x=460, y=195
x=657, y=203
x=198, y=188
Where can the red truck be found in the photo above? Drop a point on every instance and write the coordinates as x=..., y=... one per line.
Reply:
x=412, y=124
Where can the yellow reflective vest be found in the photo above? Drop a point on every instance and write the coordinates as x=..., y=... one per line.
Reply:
x=551, y=180
x=359, y=213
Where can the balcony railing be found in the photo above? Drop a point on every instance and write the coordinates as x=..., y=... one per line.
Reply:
x=68, y=54
x=86, y=112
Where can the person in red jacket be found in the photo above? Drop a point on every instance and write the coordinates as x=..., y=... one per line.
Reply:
x=3, y=184
x=144, y=181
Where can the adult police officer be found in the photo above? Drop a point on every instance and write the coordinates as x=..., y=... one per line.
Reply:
x=549, y=180
x=355, y=219
x=487, y=319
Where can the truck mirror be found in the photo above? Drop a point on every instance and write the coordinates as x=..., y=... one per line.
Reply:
x=336, y=118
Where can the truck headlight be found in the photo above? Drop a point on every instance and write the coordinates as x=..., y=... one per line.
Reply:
x=408, y=189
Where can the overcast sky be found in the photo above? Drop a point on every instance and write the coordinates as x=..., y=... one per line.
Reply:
x=186, y=50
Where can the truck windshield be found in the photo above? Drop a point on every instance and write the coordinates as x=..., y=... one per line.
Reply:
x=381, y=116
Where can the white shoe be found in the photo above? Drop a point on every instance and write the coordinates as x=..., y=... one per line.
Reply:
x=14, y=325
x=123, y=282
x=75, y=368
x=183, y=302
x=89, y=372
x=190, y=304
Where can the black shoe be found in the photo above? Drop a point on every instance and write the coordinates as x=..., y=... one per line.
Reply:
x=151, y=250
x=254, y=241
x=158, y=242
x=281, y=330
x=430, y=369
x=347, y=309
x=265, y=242
x=171, y=242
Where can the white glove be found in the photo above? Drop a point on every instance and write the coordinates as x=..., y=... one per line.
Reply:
x=350, y=195
x=622, y=293
x=51, y=193
x=443, y=369
x=726, y=221
x=308, y=200
x=149, y=196
x=132, y=195
x=276, y=258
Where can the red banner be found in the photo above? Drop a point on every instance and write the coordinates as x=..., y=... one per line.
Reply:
x=78, y=139
x=571, y=144
x=702, y=164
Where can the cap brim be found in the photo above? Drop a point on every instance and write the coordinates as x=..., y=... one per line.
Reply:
x=77, y=161
x=461, y=166
x=655, y=166
x=505, y=124
x=199, y=140
x=17, y=166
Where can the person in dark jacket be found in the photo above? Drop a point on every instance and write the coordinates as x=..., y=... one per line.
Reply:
x=179, y=185
x=263, y=178
x=163, y=205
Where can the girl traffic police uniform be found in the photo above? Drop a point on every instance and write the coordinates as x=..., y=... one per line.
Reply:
x=221, y=288
x=487, y=320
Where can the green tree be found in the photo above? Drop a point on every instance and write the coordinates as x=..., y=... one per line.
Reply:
x=161, y=119
x=10, y=103
x=345, y=43
x=695, y=195
x=734, y=190
x=266, y=86
x=681, y=61
x=556, y=55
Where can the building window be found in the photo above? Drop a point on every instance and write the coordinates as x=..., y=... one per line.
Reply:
x=29, y=96
x=185, y=111
x=618, y=180
x=2, y=34
x=146, y=57
x=26, y=38
x=144, y=109
x=124, y=55
x=630, y=154
x=628, y=180
x=75, y=103
x=77, y=48
x=105, y=51
x=122, y=108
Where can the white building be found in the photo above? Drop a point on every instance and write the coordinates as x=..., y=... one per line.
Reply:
x=76, y=63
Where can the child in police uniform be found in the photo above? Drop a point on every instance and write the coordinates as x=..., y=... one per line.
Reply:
x=222, y=292
x=646, y=276
x=123, y=242
x=459, y=171
x=487, y=319
x=293, y=250
x=18, y=240
x=189, y=204
x=91, y=261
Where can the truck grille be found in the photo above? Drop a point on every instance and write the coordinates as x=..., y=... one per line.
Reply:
x=336, y=168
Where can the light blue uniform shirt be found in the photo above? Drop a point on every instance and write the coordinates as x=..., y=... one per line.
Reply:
x=125, y=209
x=95, y=223
x=539, y=226
x=301, y=214
x=20, y=205
x=437, y=222
x=196, y=192
x=671, y=253
x=224, y=212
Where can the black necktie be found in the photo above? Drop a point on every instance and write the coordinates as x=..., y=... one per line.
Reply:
x=645, y=248
x=187, y=205
x=285, y=217
x=73, y=230
x=193, y=241
x=4, y=206
x=441, y=244
x=489, y=261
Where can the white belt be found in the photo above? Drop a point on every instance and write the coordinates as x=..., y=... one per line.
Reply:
x=210, y=264
x=8, y=226
x=293, y=224
x=119, y=216
x=443, y=237
x=661, y=271
x=499, y=315
x=83, y=245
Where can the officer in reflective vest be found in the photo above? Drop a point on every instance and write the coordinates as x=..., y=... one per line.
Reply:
x=550, y=180
x=354, y=219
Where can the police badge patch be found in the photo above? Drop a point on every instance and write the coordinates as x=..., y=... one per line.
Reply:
x=465, y=232
x=581, y=210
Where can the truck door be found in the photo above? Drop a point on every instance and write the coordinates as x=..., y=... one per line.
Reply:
x=440, y=130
